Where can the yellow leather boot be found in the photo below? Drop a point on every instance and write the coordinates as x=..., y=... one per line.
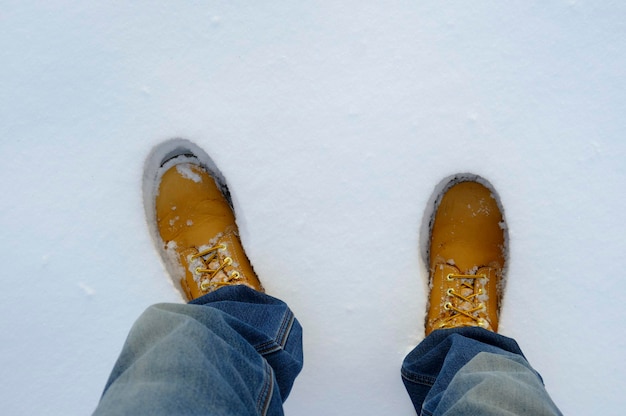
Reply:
x=196, y=224
x=467, y=254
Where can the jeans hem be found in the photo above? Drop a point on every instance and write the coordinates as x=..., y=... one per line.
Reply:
x=418, y=378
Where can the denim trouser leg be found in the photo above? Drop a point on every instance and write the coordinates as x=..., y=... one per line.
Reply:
x=470, y=371
x=232, y=352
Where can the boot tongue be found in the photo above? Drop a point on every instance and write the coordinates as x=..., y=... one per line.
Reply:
x=466, y=292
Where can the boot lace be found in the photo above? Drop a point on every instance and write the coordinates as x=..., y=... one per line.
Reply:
x=207, y=274
x=468, y=283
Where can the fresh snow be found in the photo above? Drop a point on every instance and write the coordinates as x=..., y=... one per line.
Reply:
x=333, y=123
x=186, y=172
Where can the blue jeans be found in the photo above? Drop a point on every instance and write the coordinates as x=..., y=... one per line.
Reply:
x=237, y=352
x=472, y=371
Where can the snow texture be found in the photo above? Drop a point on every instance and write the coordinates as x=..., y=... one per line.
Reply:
x=333, y=123
x=186, y=172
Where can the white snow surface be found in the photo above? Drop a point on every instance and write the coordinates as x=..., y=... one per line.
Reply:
x=333, y=122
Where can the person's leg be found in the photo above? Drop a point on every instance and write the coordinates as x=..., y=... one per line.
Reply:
x=463, y=366
x=469, y=371
x=492, y=384
x=232, y=352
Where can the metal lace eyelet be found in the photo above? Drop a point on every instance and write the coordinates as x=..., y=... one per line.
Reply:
x=221, y=247
x=449, y=277
x=482, y=323
x=447, y=306
x=450, y=292
x=228, y=261
x=235, y=275
x=205, y=285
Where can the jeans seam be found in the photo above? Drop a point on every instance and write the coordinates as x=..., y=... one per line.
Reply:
x=418, y=378
x=265, y=396
x=285, y=328
x=280, y=339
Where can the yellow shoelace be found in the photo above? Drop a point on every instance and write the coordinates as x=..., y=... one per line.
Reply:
x=469, y=313
x=207, y=274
